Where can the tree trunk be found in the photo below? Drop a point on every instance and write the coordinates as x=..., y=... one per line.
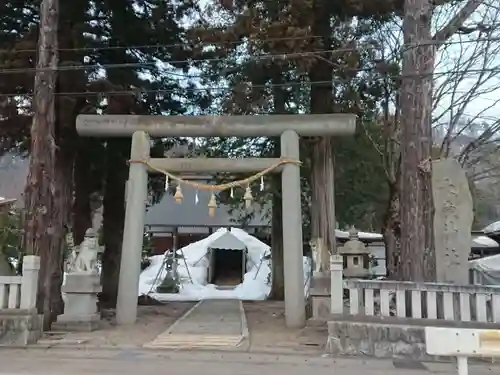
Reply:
x=277, y=265
x=63, y=188
x=278, y=276
x=82, y=214
x=323, y=220
x=67, y=109
x=117, y=151
x=40, y=199
x=323, y=197
x=417, y=206
x=392, y=234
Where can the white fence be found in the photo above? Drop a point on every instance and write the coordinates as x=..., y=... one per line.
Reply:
x=424, y=300
x=413, y=300
x=19, y=292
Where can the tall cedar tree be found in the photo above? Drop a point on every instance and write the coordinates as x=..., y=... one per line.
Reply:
x=85, y=35
x=40, y=193
x=263, y=50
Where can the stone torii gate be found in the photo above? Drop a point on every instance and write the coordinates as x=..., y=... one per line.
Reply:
x=288, y=127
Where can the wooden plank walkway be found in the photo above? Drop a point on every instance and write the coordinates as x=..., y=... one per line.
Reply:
x=209, y=324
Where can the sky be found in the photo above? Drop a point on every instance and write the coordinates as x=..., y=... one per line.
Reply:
x=467, y=79
x=473, y=63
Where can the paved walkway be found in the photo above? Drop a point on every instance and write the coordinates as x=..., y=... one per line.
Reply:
x=210, y=323
x=78, y=362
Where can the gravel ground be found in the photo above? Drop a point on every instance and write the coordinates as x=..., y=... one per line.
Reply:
x=265, y=320
x=151, y=321
x=268, y=333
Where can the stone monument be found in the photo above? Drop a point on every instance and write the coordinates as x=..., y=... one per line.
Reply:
x=452, y=221
x=82, y=286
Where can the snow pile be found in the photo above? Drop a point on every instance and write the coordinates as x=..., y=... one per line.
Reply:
x=483, y=241
x=486, y=271
x=492, y=228
x=362, y=235
x=255, y=282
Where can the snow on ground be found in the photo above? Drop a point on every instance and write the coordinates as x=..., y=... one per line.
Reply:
x=194, y=286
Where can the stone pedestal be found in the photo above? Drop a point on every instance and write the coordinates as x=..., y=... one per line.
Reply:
x=320, y=296
x=80, y=310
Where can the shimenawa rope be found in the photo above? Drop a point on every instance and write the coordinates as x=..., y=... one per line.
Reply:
x=212, y=204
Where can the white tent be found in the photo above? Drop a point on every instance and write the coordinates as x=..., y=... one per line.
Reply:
x=255, y=282
x=486, y=271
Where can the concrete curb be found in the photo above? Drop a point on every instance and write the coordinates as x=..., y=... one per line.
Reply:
x=140, y=349
x=245, y=334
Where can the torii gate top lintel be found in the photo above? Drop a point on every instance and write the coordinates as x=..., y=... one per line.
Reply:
x=216, y=126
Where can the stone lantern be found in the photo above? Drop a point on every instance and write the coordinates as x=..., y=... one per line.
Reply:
x=356, y=257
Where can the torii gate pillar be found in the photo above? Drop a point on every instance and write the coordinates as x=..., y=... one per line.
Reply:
x=133, y=232
x=292, y=233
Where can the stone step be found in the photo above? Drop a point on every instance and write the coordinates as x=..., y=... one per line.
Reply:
x=170, y=341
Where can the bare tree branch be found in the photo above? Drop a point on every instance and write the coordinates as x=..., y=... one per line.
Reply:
x=457, y=21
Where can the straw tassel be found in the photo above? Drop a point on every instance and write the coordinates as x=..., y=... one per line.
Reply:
x=178, y=194
x=248, y=197
x=212, y=205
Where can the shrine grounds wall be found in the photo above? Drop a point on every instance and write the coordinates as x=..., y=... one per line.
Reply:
x=387, y=337
x=20, y=327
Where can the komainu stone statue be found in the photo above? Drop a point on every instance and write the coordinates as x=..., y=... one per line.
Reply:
x=83, y=259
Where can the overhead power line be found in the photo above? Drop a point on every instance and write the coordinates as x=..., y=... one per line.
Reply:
x=251, y=40
x=156, y=65
x=139, y=91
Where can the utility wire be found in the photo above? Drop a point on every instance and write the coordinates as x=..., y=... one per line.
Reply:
x=251, y=86
x=261, y=57
x=250, y=40
x=155, y=65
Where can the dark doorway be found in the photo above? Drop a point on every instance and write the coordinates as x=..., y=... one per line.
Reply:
x=227, y=267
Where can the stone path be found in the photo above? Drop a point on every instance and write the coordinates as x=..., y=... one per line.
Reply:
x=209, y=324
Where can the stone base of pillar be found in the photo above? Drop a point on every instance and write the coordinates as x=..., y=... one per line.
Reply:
x=320, y=296
x=71, y=323
x=80, y=310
